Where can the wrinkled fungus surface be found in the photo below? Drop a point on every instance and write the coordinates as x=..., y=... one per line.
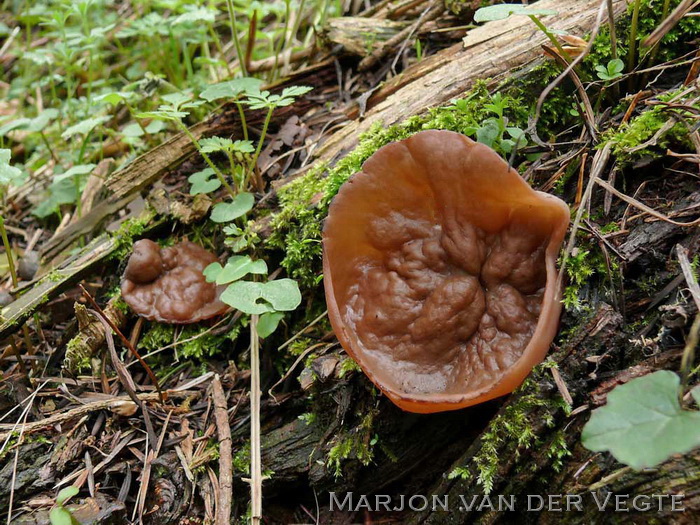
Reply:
x=439, y=268
x=167, y=284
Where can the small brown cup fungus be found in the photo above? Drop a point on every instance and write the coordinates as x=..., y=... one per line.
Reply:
x=439, y=269
x=168, y=285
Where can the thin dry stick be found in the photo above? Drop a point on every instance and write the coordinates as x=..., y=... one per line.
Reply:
x=670, y=22
x=588, y=112
x=532, y=127
x=20, y=440
x=402, y=36
x=255, y=459
x=599, y=162
x=634, y=202
x=298, y=360
x=22, y=417
x=125, y=377
x=73, y=413
x=301, y=332
x=126, y=341
x=223, y=505
x=688, y=273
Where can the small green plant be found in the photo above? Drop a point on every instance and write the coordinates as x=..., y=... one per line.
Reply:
x=643, y=422
x=9, y=175
x=419, y=50
x=264, y=100
x=176, y=109
x=267, y=299
x=612, y=71
x=494, y=130
x=59, y=514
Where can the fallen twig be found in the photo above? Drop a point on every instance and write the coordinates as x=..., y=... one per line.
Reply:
x=634, y=202
x=688, y=273
x=102, y=404
x=225, y=489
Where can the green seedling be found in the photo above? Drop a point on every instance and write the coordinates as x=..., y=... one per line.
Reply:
x=59, y=514
x=612, y=71
x=264, y=100
x=9, y=175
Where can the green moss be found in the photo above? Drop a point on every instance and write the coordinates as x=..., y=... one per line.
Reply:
x=627, y=138
x=512, y=431
x=241, y=460
x=193, y=342
x=348, y=365
x=300, y=345
x=585, y=263
x=358, y=444
x=308, y=418
x=118, y=303
x=124, y=236
x=76, y=358
x=157, y=336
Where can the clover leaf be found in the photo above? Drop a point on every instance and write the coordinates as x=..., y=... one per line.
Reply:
x=643, y=423
x=258, y=298
x=204, y=181
x=228, y=211
x=612, y=71
x=236, y=267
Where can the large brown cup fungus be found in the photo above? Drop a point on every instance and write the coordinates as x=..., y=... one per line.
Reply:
x=168, y=285
x=439, y=269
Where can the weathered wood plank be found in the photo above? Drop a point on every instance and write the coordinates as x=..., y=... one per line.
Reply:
x=67, y=273
x=489, y=51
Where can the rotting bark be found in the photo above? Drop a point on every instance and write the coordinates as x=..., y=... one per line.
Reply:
x=49, y=286
x=488, y=51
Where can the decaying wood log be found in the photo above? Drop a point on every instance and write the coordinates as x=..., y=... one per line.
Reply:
x=488, y=51
x=361, y=36
x=67, y=273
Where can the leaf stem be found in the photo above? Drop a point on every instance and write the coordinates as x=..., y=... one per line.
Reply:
x=208, y=160
x=263, y=133
x=8, y=251
x=613, y=47
x=234, y=36
x=551, y=37
x=632, y=52
x=244, y=125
